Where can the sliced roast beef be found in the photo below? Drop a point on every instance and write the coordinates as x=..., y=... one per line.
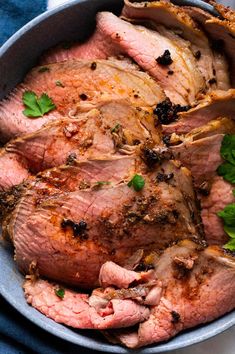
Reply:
x=212, y=65
x=215, y=126
x=87, y=135
x=214, y=105
x=202, y=157
x=220, y=195
x=193, y=285
x=197, y=287
x=82, y=89
x=73, y=309
x=99, y=46
x=13, y=170
x=200, y=152
x=74, y=232
x=220, y=30
x=146, y=47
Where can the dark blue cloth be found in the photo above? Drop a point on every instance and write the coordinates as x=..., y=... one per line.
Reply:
x=20, y=336
x=17, y=334
x=15, y=13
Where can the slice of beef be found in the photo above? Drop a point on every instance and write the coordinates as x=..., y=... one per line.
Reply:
x=112, y=274
x=214, y=105
x=221, y=194
x=200, y=152
x=200, y=149
x=13, y=170
x=82, y=89
x=197, y=287
x=212, y=65
x=194, y=285
x=98, y=46
x=202, y=157
x=74, y=309
x=87, y=135
x=146, y=47
x=221, y=31
x=74, y=232
x=215, y=126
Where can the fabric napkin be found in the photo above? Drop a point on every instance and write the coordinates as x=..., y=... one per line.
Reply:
x=15, y=13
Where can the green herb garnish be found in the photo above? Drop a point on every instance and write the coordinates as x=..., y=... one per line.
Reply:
x=59, y=83
x=227, y=151
x=137, y=182
x=37, y=106
x=102, y=183
x=228, y=216
x=43, y=69
x=115, y=128
x=60, y=292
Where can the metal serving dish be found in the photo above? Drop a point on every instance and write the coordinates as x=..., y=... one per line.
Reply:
x=72, y=21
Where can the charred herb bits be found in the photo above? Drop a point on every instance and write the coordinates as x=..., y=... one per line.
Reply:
x=167, y=112
x=165, y=59
x=79, y=229
x=137, y=182
x=164, y=177
x=151, y=157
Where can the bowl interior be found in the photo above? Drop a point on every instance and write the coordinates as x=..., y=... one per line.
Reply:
x=72, y=21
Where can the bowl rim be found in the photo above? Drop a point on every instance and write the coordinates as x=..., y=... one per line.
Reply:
x=225, y=322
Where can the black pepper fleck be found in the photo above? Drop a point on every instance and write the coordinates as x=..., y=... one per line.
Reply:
x=136, y=142
x=164, y=177
x=78, y=228
x=170, y=72
x=165, y=58
x=143, y=267
x=93, y=65
x=197, y=55
x=71, y=158
x=151, y=157
x=175, y=317
x=212, y=81
x=166, y=139
x=204, y=188
x=83, y=96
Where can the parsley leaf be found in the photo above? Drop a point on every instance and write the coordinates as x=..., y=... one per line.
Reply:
x=115, y=128
x=227, y=151
x=60, y=292
x=137, y=182
x=227, y=171
x=230, y=245
x=228, y=216
x=37, y=107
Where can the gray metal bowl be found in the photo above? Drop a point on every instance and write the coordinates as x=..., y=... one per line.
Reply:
x=72, y=21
